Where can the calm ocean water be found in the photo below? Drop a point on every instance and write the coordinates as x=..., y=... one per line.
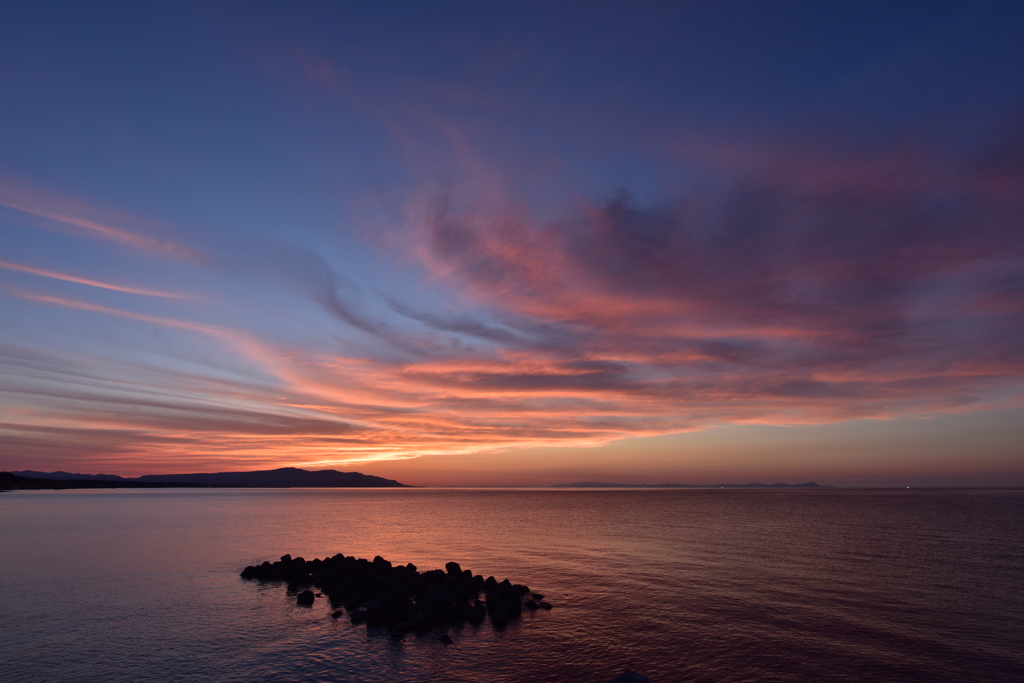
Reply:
x=680, y=585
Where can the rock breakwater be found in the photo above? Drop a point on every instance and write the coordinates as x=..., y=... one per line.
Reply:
x=400, y=597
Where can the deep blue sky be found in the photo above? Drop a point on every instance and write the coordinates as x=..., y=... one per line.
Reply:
x=469, y=243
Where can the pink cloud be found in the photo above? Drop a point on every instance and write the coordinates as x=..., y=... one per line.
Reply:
x=802, y=288
x=86, y=219
x=43, y=272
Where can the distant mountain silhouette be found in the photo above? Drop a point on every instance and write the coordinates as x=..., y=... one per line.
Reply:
x=606, y=485
x=285, y=477
x=15, y=482
x=67, y=476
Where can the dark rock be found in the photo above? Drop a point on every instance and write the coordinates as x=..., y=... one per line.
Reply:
x=465, y=592
x=421, y=622
x=453, y=613
x=376, y=616
x=628, y=676
x=445, y=638
x=400, y=629
x=537, y=596
x=510, y=607
x=299, y=580
x=476, y=613
x=434, y=576
x=399, y=598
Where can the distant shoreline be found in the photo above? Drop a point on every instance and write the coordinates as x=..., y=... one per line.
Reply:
x=285, y=477
x=606, y=485
x=12, y=482
x=290, y=477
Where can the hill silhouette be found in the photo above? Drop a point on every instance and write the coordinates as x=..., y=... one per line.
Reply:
x=284, y=477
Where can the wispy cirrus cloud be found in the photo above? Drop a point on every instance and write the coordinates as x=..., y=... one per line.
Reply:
x=68, y=214
x=792, y=283
x=772, y=298
x=44, y=272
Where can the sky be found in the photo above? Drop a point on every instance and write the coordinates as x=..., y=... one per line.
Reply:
x=468, y=243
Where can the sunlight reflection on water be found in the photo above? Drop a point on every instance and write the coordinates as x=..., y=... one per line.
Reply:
x=143, y=585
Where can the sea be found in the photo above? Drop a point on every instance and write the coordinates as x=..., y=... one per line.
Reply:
x=715, y=585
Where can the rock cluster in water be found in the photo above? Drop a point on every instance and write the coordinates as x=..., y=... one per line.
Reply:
x=399, y=597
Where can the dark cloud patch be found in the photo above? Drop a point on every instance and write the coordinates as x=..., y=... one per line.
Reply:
x=573, y=376
x=460, y=325
x=156, y=411
x=31, y=442
x=345, y=301
x=733, y=350
x=166, y=413
x=836, y=262
x=24, y=360
x=322, y=284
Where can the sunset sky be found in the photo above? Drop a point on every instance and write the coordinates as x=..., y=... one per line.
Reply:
x=530, y=243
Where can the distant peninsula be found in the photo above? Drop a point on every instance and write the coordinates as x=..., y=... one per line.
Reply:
x=606, y=485
x=285, y=477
